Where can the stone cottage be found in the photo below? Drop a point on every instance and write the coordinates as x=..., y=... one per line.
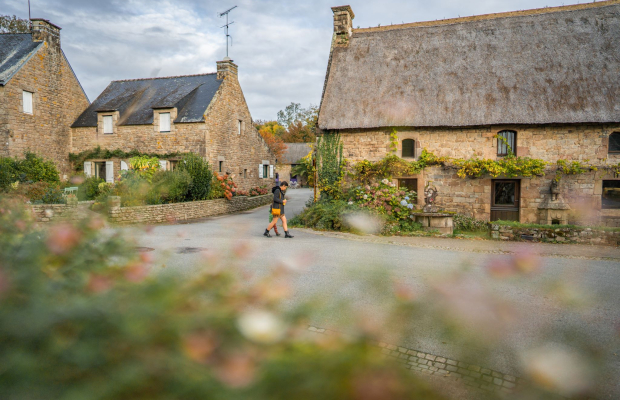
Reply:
x=292, y=156
x=543, y=83
x=40, y=96
x=204, y=114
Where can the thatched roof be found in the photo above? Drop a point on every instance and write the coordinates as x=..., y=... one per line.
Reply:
x=295, y=152
x=556, y=65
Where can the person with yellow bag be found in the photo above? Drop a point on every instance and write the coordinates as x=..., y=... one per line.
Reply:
x=277, y=210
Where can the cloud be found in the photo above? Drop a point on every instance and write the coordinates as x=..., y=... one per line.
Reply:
x=281, y=46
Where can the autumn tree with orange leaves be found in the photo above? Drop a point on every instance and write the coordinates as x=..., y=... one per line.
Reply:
x=272, y=133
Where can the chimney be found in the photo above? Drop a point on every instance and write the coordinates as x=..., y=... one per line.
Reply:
x=226, y=68
x=45, y=31
x=343, y=24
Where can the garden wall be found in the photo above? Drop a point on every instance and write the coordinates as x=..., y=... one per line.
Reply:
x=64, y=212
x=561, y=234
x=185, y=211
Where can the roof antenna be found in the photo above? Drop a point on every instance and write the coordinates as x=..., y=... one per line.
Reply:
x=225, y=26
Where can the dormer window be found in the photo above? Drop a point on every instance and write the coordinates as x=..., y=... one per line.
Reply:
x=108, y=124
x=27, y=100
x=164, y=122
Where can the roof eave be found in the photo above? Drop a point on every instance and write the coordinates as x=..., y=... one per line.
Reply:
x=32, y=53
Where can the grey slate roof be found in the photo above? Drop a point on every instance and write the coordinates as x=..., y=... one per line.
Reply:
x=538, y=67
x=15, y=50
x=136, y=99
x=295, y=152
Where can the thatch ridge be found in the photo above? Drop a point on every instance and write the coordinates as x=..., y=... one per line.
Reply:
x=557, y=66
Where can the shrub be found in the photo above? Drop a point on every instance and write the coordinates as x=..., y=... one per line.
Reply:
x=385, y=199
x=223, y=187
x=469, y=224
x=34, y=169
x=53, y=195
x=144, y=166
x=258, y=191
x=33, y=192
x=169, y=187
x=8, y=172
x=326, y=215
x=201, y=175
x=89, y=190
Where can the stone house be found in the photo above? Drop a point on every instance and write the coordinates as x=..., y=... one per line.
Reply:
x=204, y=114
x=40, y=96
x=292, y=155
x=545, y=82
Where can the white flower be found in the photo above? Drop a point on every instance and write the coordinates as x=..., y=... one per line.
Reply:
x=365, y=197
x=385, y=182
x=261, y=327
x=350, y=203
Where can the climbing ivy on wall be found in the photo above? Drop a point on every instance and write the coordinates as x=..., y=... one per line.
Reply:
x=78, y=159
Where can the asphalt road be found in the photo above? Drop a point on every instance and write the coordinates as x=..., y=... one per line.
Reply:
x=537, y=306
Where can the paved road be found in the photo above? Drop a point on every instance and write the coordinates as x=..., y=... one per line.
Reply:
x=591, y=276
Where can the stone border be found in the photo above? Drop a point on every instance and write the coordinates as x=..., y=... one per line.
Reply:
x=170, y=213
x=471, y=375
x=575, y=235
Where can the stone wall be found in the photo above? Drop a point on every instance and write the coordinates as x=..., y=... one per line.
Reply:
x=241, y=152
x=58, y=100
x=61, y=212
x=586, y=143
x=185, y=211
x=560, y=235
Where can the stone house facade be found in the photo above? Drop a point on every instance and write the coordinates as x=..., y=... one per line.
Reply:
x=204, y=114
x=40, y=96
x=545, y=82
x=292, y=156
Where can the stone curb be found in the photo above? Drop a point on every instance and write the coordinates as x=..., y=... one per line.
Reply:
x=470, y=374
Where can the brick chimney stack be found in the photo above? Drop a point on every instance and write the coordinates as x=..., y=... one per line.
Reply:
x=343, y=24
x=227, y=68
x=45, y=31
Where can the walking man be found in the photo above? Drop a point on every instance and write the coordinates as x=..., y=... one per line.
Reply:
x=277, y=210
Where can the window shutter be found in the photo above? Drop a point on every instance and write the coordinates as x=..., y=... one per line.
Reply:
x=260, y=171
x=271, y=171
x=124, y=166
x=163, y=164
x=109, y=171
x=87, y=170
x=27, y=102
x=164, y=122
x=108, y=124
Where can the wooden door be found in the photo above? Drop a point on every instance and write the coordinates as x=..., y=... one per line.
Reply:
x=505, y=200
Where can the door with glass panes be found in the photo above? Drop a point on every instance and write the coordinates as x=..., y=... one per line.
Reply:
x=505, y=199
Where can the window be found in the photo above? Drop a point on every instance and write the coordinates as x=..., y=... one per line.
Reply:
x=164, y=122
x=408, y=148
x=27, y=97
x=506, y=143
x=265, y=171
x=108, y=124
x=240, y=127
x=611, y=194
x=173, y=164
x=221, y=166
x=409, y=184
x=614, y=142
x=245, y=173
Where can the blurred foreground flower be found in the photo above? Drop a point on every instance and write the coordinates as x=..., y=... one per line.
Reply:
x=364, y=223
x=62, y=238
x=558, y=368
x=524, y=262
x=261, y=327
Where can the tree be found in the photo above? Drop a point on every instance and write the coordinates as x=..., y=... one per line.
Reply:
x=300, y=123
x=12, y=24
x=273, y=140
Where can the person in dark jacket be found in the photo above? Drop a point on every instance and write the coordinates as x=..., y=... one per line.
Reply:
x=277, y=210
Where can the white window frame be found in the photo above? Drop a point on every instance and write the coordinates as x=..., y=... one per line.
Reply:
x=108, y=124
x=109, y=171
x=260, y=171
x=240, y=127
x=165, y=122
x=271, y=172
x=163, y=165
x=124, y=166
x=28, y=102
x=88, y=169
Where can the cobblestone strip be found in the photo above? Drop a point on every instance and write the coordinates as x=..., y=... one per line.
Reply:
x=471, y=375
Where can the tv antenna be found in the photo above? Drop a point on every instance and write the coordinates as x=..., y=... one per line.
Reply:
x=29, y=17
x=226, y=26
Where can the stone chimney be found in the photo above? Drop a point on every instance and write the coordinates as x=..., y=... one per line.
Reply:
x=226, y=68
x=45, y=31
x=343, y=24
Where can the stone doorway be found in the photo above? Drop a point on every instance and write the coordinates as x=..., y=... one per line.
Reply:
x=505, y=199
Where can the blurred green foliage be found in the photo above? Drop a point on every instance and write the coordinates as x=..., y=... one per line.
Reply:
x=201, y=176
x=29, y=169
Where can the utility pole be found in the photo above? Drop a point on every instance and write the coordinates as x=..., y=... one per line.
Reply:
x=225, y=26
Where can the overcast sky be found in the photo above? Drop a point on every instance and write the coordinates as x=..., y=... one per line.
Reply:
x=281, y=46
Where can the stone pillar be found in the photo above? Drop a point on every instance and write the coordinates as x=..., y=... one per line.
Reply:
x=343, y=24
